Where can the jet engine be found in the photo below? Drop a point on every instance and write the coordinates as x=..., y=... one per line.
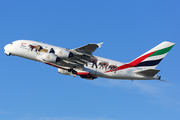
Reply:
x=65, y=72
x=63, y=53
x=49, y=57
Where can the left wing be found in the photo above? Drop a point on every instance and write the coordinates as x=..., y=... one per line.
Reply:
x=89, y=48
x=81, y=56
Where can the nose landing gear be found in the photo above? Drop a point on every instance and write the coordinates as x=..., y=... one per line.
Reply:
x=7, y=53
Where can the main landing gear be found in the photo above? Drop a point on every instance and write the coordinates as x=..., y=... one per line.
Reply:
x=72, y=71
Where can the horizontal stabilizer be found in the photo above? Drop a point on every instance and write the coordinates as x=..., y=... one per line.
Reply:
x=147, y=72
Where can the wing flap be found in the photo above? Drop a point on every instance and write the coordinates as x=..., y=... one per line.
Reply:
x=147, y=72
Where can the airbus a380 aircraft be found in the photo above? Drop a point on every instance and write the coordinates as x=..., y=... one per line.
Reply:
x=80, y=61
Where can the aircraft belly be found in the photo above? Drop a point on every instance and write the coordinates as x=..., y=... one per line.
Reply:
x=27, y=56
x=112, y=75
x=121, y=74
x=90, y=70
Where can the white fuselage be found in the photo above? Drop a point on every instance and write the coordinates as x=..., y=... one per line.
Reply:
x=20, y=48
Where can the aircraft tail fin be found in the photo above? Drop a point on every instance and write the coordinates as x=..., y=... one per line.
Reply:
x=153, y=57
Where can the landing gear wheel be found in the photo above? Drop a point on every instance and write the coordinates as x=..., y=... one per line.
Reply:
x=69, y=70
x=74, y=72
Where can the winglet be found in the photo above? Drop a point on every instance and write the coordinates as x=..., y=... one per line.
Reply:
x=100, y=44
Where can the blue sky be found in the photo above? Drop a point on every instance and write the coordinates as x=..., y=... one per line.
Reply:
x=34, y=91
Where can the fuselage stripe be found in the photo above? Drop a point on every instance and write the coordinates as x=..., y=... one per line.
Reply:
x=140, y=59
x=162, y=51
x=55, y=66
x=149, y=63
x=133, y=63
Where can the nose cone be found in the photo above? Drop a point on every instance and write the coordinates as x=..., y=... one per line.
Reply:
x=7, y=49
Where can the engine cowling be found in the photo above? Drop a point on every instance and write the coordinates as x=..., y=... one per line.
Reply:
x=65, y=72
x=63, y=53
x=49, y=57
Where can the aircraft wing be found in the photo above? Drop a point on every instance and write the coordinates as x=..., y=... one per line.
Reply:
x=89, y=48
x=82, y=55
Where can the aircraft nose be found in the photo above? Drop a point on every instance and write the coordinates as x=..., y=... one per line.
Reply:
x=7, y=49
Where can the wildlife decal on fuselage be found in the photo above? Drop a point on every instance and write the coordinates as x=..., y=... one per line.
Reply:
x=34, y=48
x=103, y=65
x=37, y=48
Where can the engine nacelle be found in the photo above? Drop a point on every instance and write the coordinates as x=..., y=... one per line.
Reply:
x=49, y=57
x=65, y=72
x=63, y=53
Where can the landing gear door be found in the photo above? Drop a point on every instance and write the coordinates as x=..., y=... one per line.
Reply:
x=91, y=69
